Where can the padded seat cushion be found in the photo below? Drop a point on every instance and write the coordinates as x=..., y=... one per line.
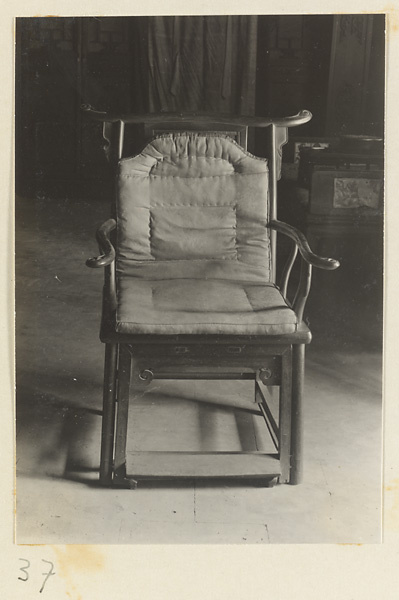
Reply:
x=195, y=306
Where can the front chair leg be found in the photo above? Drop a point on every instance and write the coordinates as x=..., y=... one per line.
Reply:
x=285, y=410
x=108, y=421
x=128, y=371
x=298, y=373
x=124, y=373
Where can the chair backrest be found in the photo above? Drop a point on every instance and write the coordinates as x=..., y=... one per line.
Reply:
x=195, y=197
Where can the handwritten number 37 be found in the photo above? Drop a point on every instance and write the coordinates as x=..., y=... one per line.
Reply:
x=25, y=568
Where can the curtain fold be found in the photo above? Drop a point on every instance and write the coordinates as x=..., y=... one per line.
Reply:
x=198, y=64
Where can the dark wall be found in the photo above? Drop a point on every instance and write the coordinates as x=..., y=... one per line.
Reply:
x=62, y=63
x=293, y=67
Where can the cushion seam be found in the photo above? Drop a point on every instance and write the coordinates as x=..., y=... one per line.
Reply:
x=172, y=260
x=249, y=301
x=129, y=176
x=156, y=205
x=207, y=323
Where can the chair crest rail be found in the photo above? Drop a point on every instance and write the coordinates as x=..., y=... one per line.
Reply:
x=300, y=118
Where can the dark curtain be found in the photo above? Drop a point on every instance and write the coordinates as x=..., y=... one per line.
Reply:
x=195, y=64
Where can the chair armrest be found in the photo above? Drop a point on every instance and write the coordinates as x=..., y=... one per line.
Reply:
x=309, y=259
x=303, y=246
x=105, y=245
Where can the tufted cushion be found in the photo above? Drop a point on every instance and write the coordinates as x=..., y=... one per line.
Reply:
x=179, y=306
x=193, y=252
x=193, y=197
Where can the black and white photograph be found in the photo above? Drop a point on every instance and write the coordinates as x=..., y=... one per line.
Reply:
x=199, y=278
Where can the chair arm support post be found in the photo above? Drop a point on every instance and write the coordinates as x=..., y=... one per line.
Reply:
x=302, y=293
x=285, y=276
x=109, y=291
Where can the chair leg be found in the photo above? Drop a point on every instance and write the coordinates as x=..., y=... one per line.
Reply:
x=285, y=409
x=298, y=373
x=108, y=421
x=124, y=371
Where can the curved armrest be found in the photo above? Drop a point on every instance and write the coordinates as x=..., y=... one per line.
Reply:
x=102, y=236
x=313, y=259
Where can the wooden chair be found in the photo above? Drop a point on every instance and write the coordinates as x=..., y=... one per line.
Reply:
x=190, y=292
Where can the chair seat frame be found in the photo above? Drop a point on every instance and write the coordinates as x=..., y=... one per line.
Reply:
x=133, y=361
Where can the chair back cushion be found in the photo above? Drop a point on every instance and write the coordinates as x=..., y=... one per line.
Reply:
x=193, y=205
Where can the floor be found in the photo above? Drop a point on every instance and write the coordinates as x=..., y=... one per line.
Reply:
x=59, y=385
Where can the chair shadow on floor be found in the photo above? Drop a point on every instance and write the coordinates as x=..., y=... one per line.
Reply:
x=58, y=437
